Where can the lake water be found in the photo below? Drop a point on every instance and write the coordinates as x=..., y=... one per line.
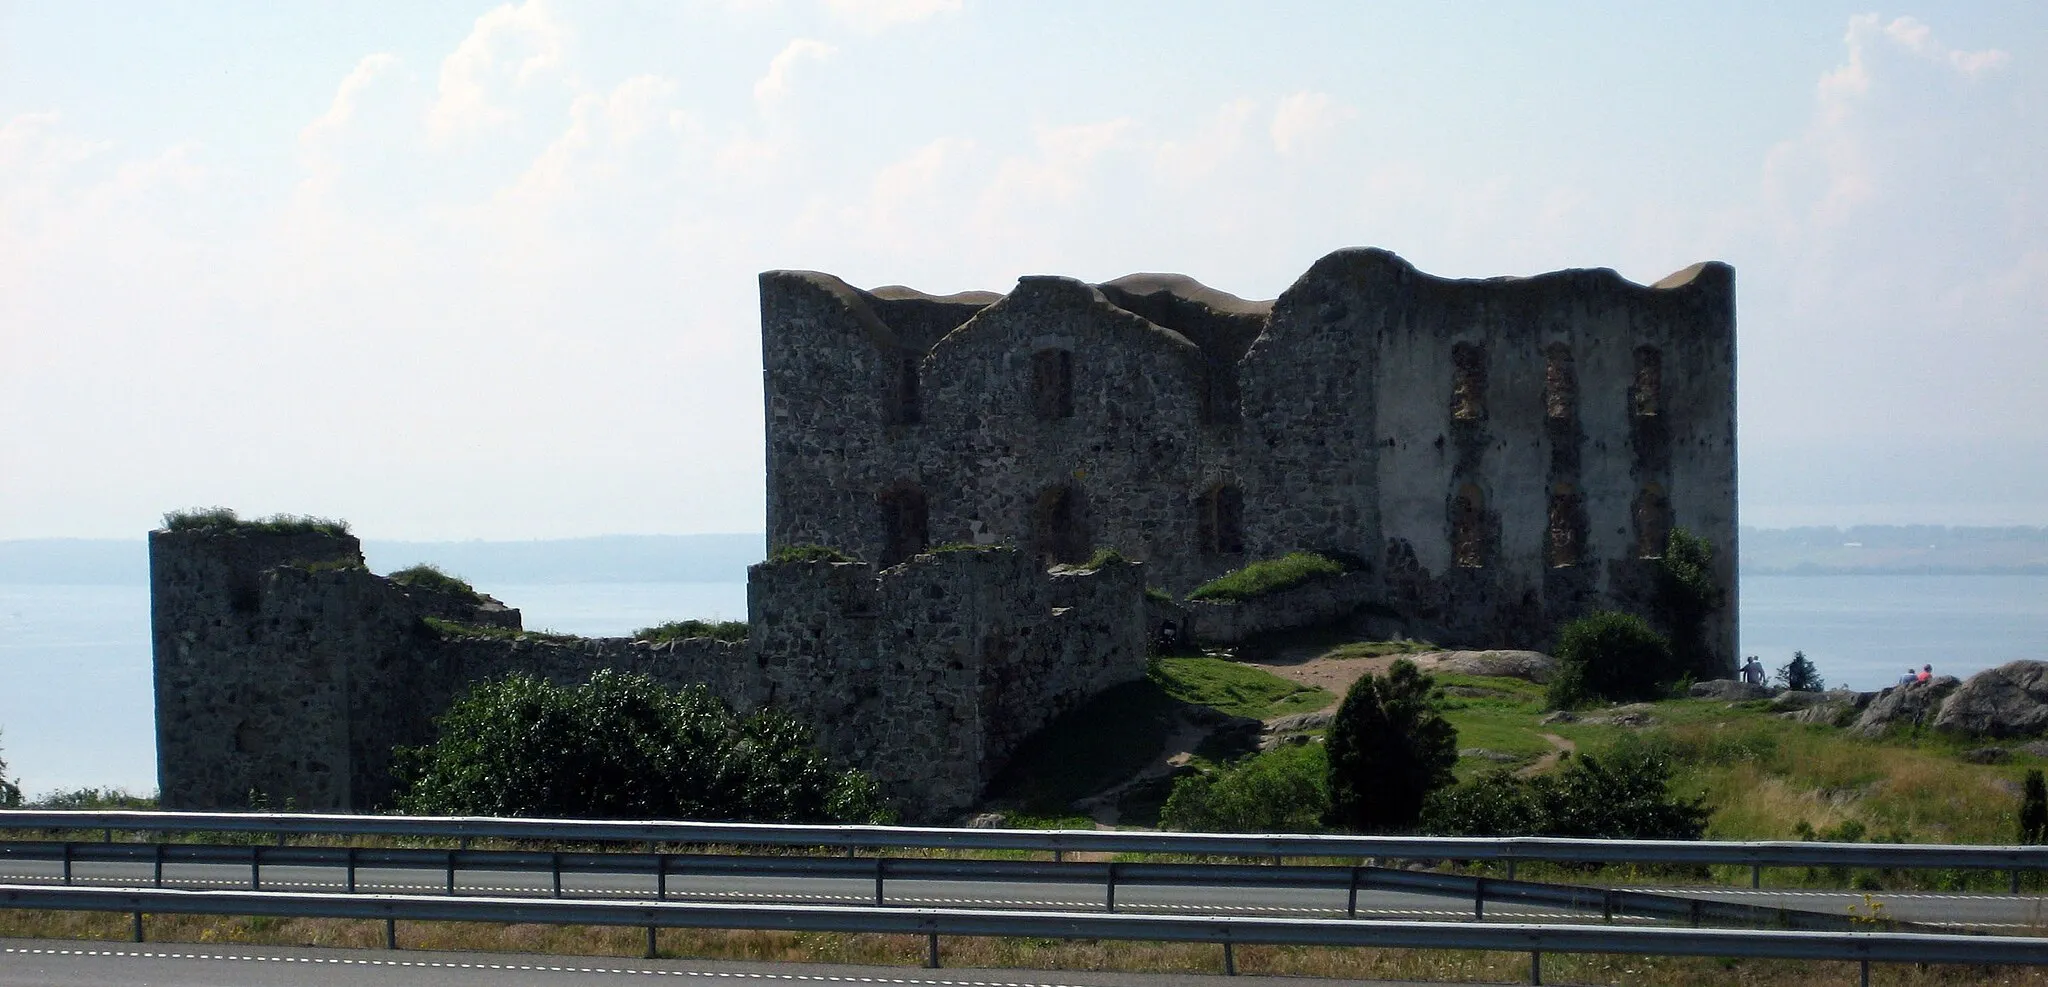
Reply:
x=76, y=706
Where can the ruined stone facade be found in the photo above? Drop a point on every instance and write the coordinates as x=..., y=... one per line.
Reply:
x=285, y=668
x=1496, y=455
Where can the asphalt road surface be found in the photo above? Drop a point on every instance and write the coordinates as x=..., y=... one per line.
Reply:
x=1993, y=912
x=46, y=963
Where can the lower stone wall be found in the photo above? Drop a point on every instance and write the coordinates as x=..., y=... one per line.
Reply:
x=1317, y=602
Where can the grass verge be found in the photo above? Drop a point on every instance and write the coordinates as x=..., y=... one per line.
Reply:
x=1267, y=576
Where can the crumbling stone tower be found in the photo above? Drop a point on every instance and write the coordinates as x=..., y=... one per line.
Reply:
x=1498, y=455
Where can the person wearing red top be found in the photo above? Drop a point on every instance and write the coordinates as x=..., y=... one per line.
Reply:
x=1926, y=672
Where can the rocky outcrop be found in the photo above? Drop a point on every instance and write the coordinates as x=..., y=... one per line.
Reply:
x=1908, y=705
x=2008, y=701
x=1728, y=690
x=1534, y=666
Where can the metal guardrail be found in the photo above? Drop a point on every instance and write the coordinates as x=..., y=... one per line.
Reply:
x=657, y=868
x=1057, y=842
x=1864, y=947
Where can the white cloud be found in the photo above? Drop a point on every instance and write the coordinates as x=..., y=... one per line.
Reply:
x=1220, y=139
x=875, y=15
x=1919, y=39
x=1304, y=120
x=774, y=85
x=509, y=47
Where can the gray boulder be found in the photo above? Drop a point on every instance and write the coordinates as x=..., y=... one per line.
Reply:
x=2008, y=701
x=1905, y=704
x=1728, y=690
x=1832, y=713
x=1301, y=721
x=1534, y=666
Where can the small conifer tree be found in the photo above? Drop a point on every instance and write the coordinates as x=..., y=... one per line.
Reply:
x=1388, y=749
x=2034, y=809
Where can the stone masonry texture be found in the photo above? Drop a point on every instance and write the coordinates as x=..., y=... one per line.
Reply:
x=1496, y=456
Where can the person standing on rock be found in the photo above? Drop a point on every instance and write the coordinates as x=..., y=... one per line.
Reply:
x=1926, y=674
x=1753, y=671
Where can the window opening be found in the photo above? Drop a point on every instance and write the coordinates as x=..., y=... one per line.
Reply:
x=1646, y=395
x=905, y=522
x=1052, y=383
x=1468, y=382
x=1560, y=382
x=1564, y=526
x=905, y=403
x=1056, y=531
x=1222, y=521
x=1653, y=522
x=1468, y=514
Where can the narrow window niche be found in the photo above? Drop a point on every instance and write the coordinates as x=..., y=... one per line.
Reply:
x=1560, y=383
x=1468, y=527
x=904, y=402
x=1468, y=382
x=1052, y=383
x=1653, y=521
x=1646, y=391
x=1565, y=526
x=905, y=522
x=1221, y=519
x=1058, y=532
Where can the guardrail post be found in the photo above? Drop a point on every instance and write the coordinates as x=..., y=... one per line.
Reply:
x=351, y=870
x=1866, y=972
x=931, y=951
x=1536, y=966
x=1607, y=905
x=157, y=870
x=1351, y=899
x=2015, y=880
x=1695, y=913
x=109, y=836
x=390, y=933
x=651, y=952
x=1756, y=876
x=556, y=861
x=1229, y=959
x=880, y=862
x=661, y=876
x=138, y=927
x=1479, y=899
x=1511, y=868
x=256, y=867
x=451, y=872
x=67, y=861
x=1109, y=886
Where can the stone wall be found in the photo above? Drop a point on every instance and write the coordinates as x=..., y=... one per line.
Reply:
x=1499, y=455
x=285, y=669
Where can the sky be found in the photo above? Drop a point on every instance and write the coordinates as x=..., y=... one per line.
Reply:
x=457, y=271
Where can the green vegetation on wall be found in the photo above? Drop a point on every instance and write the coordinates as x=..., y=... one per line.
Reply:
x=1266, y=577
x=809, y=553
x=224, y=521
x=622, y=746
x=431, y=578
x=681, y=630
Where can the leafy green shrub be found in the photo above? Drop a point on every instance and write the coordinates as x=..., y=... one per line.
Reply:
x=1268, y=576
x=1284, y=790
x=1800, y=674
x=96, y=798
x=433, y=579
x=621, y=746
x=223, y=520
x=1624, y=793
x=1687, y=594
x=1612, y=656
x=10, y=792
x=1389, y=747
x=678, y=630
x=809, y=553
x=2034, y=809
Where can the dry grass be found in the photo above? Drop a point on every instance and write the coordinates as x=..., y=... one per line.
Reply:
x=1456, y=966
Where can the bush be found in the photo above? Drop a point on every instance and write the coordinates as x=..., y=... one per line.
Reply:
x=10, y=792
x=809, y=553
x=433, y=579
x=1611, y=656
x=1687, y=594
x=1800, y=675
x=223, y=520
x=1284, y=790
x=621, y=746
x=96, y=798
x=678, y=630
x=2034, y=809
x=1389, y=748
x=1269, y=576
x=1624, y=793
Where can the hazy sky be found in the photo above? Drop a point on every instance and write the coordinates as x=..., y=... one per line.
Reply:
x=462, y=270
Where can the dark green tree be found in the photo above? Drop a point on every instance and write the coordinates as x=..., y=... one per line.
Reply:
x=2034, y=809
x=1687, y=594
x=1800, y=675
x=1388, y=748
x=622, y=746
x=10, y=792
x=1610, y=656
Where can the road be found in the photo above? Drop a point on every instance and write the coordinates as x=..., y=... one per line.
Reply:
x=45, y=963
x=1992, y=912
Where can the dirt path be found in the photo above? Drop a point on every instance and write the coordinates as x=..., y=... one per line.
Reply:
x=1560, y=746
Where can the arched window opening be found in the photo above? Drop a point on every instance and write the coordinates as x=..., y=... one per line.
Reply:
x=1560, y=383
x=1222, y=520
x=1646, y=394
x=1052, y=383
x=1653, y=522
x=1468, y=382
x=1058, y=533
x=905, y=404
x=1468, y=527
x=1565, y=526
x=905, y=522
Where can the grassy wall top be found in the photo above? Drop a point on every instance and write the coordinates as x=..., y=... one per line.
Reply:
x=1268, y=576
x=679, y=630
x=430, y=577
x=809, y=553
x=224, y=521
